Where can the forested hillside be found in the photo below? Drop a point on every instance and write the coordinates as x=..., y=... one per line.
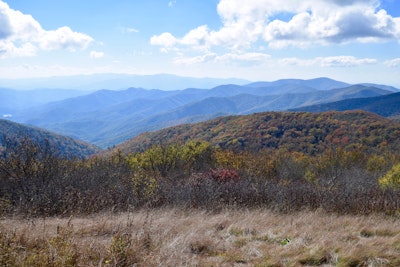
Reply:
x=13, y=134
x=305, y=132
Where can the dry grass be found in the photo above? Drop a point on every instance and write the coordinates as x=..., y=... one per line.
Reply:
x=172, y=237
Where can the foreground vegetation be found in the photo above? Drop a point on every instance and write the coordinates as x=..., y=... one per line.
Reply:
x=38, y=182
x=173, y=237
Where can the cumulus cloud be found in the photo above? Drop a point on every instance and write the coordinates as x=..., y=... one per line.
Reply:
x=96, y=54
x=165, y=39
x=22, y=35
x=350, y=2
x=63, y=38
x=308, y=23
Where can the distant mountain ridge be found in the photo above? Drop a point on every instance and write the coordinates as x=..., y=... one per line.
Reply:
x=13, y=100
x=113, y=81
x=108, y=117
x=322, y=83
x=385, y=105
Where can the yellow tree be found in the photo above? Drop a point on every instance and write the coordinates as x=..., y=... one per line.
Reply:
x=391, y=179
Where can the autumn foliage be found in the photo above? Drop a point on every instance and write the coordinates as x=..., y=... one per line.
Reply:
x=343, y=168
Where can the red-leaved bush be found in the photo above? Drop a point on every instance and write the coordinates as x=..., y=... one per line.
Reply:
x=224, y=175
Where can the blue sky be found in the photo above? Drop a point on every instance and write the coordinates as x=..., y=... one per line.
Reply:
x=348, y=40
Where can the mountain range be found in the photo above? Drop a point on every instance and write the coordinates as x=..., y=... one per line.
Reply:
x=385, y=105
x=109, y=117
x=12, y=100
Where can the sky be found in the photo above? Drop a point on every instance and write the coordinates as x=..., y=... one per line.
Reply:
x=259, y=40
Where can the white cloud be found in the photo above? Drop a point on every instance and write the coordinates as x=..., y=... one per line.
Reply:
x=333, y=62
x=393, y=63
x=24, y=50
x=22, y=35
x=181, y=60
x=345, y=61
x=241, y=58
x=196, y=37
x=64, y=38
x=128, y=30
x=96, y=54
x=131, y=30
x=333, y=22
x=292, y=61
x=165, y=39
x=246, y=57
x=310, y=22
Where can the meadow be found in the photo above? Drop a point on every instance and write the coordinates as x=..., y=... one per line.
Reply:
x=176, y=237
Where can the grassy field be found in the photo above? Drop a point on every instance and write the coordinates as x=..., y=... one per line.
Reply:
x=172, y=237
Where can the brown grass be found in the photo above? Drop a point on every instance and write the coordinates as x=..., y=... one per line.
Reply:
x=172, y=237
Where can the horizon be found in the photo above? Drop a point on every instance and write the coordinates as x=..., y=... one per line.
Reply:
x=85, y=82
x=354, y=42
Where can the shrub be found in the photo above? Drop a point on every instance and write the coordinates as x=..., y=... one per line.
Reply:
x=391, y=179
x=224, y=175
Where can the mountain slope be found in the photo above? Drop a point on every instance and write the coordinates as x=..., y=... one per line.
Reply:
x=73, y=107
x=66, y=146
x=387, y=105
x=286, y=101
x=305, y=132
